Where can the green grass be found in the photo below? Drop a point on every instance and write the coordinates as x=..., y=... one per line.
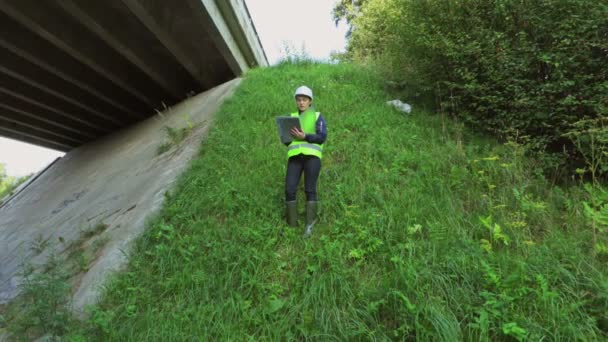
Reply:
x=426, y=232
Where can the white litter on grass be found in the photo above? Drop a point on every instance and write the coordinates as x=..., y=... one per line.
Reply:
x=402, y=106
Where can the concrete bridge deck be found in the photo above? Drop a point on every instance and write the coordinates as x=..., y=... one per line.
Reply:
x=72, y=71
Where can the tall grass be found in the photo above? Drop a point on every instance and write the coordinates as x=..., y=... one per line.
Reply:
x=426, y=232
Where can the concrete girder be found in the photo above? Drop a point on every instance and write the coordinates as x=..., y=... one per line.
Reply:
x=66, y=111
x=109, y=20
x=81, y=69
x=245, y=37
x=32, y=73
x=15, y=108
x=13, y=119
x=173, y=23
x=88, y=111
x=34, y=139
x=45, y=19
x=28, y=45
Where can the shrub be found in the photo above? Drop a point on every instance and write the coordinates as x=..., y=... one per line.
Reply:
x=43, y=306
x=516, y=69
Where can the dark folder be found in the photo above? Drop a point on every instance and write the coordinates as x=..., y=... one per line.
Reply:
x=284, y=125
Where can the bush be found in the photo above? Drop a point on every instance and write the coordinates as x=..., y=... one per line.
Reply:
x=43, y=306
x=7, y=183
x=524, y=70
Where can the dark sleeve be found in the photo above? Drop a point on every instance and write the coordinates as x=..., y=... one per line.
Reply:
x=321, y=132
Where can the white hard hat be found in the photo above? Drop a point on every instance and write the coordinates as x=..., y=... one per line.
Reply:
x=303, y=90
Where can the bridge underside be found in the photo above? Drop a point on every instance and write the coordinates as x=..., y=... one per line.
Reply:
x=72, y=71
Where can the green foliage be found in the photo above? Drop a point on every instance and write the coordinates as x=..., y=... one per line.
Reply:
x=596, y=212
x=590, y=136
x=42, y=307
x=174, y=136
x=8, y=183
x=521, y=70
x=397, y=253
x=347, y=10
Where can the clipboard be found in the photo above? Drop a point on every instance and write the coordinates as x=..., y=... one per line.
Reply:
x=284, y=125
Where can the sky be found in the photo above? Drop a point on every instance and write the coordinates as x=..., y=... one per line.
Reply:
x=298, y=25
x=21, y=159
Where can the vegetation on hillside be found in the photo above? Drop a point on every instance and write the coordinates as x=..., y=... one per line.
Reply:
x=529, y=71
x=426, y=232
x=428, y=229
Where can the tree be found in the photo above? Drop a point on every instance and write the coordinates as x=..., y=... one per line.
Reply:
x=8, y=183
x=347, y=10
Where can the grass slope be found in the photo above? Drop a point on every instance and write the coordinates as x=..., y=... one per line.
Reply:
x=425, y=233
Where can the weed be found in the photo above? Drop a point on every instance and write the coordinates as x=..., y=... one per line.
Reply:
x=39, y=244
x=591, y=139
x=596, y=212
x=174, y=136
x=42, y=307
x=93, y=231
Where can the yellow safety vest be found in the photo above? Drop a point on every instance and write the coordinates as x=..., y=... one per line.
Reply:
x=308, y=122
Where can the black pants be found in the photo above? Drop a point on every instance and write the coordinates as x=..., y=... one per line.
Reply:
x=295, y=165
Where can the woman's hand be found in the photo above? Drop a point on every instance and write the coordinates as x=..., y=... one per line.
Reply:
x=298, y=133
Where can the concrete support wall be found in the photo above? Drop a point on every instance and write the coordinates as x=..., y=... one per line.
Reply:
x=117, y=181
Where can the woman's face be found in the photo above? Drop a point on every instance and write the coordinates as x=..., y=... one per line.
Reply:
x=303, y=102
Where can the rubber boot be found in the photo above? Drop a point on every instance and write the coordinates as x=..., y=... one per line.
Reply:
x=292, y=213
x=311, y=217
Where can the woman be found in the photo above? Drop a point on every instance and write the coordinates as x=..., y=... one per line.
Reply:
x=304, y=153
